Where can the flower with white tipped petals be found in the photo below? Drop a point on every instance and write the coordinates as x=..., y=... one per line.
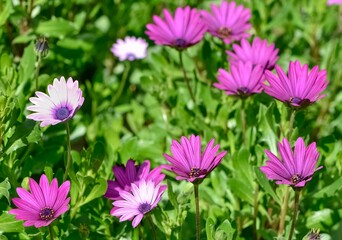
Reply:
x=130, y=48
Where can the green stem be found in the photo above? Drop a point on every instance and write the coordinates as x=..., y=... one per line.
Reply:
x=283, y=212
x=121, y=86
x=51, y=231
x=37, y=70
x=68, y=152
x=292, y=118
x=255, y=213
x=294, y=216
x=185, y=77
x=243, y=121
x=150, y=220
x=223, y=54
x=197, y=212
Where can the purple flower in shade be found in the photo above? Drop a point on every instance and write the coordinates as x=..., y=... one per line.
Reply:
x=293, y=168
x=144, y=196
x=188, y=162
x=299, y=88
x=64, y=99
x=333, y=2
x=244, y=79
x=131, y=48
x=44, y=204
x=182, y=31
x=227, y=21
x=125, y=176
x=258, y=53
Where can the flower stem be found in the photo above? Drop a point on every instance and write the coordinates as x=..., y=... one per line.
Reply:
x=223, y=54
x=243, y=121
x=283, y=212
x=150, y=220
x=51, y=231
x=121, y=85
x=68, y=152
x=294, y=216
x=255, y=213
x=185, y=77
x=197, y=212
x=37, y=70
x=292, y=118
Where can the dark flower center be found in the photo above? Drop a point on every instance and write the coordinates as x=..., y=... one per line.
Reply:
x=295, y=100
x=298, y=101
x=243, y=91
x=224, y=32
x=296, y=178
x=196, y=172
x=46, y=214
x=144, y=208
x=180, y=43
x=62, y=113
x=130, y=56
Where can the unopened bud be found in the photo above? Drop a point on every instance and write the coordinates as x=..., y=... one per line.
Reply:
x=42, y=46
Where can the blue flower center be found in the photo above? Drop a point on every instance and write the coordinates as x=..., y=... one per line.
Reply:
x=62, y=113
x=144, y=208
x=181, y=43
x=243, y=91
x=196, y=172
x=296, y=100
x=130, y=56
x=46, y=214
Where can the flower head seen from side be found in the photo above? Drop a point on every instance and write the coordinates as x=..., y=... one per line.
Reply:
x=125, y=176
x=130, y=48
x=299, y=88
x=143, y=197
x=227, y=21
x=294, y=168
x=43, y=204
x=64, y=99
x=183, y=30
x=244, y=79
x=259, y=52
x=189, y=163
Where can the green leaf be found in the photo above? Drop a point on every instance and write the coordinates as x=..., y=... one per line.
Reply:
x=265, y=184
x=26, y=65
x=228, y=230
x=8, y=223
x=97, y=191
x=330, y=190
x=210, y=228
x=172, y=195
x=242, y=190
x=57, y=27
x=4, y=187
x=5, y=13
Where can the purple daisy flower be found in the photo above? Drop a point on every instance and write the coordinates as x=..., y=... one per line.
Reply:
x=228, y=21
x=44, y=204
x=299, y=88
x=244, y=79
x=188, y=162
x=125, y=176
x=182, y=31
x=292, y=168
x=131, y=48
x=258, y=53
x=64, y=99
x=144, y=196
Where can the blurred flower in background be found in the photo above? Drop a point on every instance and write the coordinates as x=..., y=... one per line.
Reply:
x=293, y=168
x=44, y=204
x=227, y=21
x=131, y=48
x=244, y=79
x=125, y=176
x=64, y=99
x=189, y=163
x=182, y=31
x=144, y=196
x=299, y=88
x=259, y=52
x=334, y=2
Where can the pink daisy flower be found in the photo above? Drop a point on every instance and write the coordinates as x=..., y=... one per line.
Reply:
x=131, y=48
x=258, y=53
x=64, y=99
x=292, y=168
x=228, y=21
x=125, y=176
x=299, y=88
x=189, y=163
x=333, y=2
x=244, y=79
x=44, y=204
x=144, y=197
x=181, y=31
